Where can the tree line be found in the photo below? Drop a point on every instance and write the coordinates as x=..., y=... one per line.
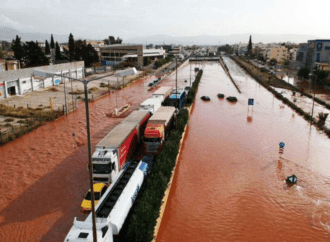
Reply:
x=31, y=54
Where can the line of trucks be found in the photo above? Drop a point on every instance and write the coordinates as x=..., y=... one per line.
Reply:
x=112, y=164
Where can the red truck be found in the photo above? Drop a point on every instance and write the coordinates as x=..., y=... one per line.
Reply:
x=157, y=128
x=113, y=151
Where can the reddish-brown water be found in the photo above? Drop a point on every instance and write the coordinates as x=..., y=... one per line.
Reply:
x=44, y=176
x=229, y=184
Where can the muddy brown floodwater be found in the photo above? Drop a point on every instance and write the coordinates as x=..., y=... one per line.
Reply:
x=43, y=174
x=229, y=184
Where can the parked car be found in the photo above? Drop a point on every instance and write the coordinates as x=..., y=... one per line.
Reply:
x=99, y=190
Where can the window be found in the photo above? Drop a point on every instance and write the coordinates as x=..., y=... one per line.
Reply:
x=101, y=168
x=24, y=82
x=151, y=139
x=103, y=190
x=83, y=235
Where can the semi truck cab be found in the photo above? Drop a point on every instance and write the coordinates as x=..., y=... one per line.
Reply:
x=105, y=165
x=154, y=135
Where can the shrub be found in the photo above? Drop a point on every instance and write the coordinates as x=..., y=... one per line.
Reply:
x=142, y=218
x=9, y=120
x=76, y=92
x=303, y=72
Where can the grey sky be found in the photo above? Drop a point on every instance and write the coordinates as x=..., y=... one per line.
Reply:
x=127, y=18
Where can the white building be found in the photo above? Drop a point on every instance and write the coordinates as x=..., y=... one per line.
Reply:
x=18, y=82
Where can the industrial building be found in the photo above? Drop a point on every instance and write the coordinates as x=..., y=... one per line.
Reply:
x=115, y=54
x=18, y=82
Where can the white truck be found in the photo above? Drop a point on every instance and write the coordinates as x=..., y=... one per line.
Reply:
x=162, y=93
x=114, y=150
x=151, y=105
x=114, y=206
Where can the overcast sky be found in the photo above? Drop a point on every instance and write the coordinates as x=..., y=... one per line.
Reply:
x=134, y=18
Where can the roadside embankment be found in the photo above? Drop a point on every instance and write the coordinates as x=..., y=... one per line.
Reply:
x=262, y=80
x=145, y=218
x=224, y=66
x=274, y=81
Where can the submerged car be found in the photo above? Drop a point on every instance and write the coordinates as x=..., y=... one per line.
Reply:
x=99, y=190
x=205, y=98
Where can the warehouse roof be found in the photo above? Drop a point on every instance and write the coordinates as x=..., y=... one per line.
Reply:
x=27, y=72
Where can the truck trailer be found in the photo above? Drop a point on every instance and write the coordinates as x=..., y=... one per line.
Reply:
x=114, y=206
x=157, y=129
x=114, y=150
x=163, y=93
x=151, y=105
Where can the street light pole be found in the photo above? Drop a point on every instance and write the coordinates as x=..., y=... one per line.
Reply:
x=313, y=97
x=116, y=109
x=190, y=74
x=90, y=166
x=176, y=81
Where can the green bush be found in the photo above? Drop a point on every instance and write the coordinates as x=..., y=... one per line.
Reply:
x=162, y=62
x=142, y=218
x=303, y=72
x=193, y=90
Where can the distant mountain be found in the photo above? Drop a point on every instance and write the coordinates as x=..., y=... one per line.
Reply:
x=9, y=34
x=216, y=40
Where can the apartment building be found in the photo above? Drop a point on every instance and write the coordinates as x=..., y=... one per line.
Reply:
x=280, y=53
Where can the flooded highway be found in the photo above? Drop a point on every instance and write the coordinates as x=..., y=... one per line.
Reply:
x=229, y=184
x=44, y=176
x=229, y=181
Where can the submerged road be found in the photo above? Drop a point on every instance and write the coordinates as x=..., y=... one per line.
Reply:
x=229, y=184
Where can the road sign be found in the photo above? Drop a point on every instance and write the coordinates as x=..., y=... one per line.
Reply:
x=282, y=145
x=251, y=101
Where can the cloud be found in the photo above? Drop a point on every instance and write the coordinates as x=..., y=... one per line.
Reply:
x=7, y=22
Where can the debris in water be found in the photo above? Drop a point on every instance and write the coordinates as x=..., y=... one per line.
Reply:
x=292, y=179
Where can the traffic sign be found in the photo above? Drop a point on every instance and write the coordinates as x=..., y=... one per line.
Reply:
x=250, y=101
x=281, y=145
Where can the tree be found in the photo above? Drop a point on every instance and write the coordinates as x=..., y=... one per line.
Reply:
x=18, y=49
x=34, y=56
x=85, y=52
x=321, y=75
x=261, y=57
x=303, y=73
x=52, y=45
x=2, y=55
x=71, y=47
x=249, y=49
x=90, y=55
x=111, y=40
x=273, y=62
x=47, y=49
x=58, y=55
x=119, y=41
